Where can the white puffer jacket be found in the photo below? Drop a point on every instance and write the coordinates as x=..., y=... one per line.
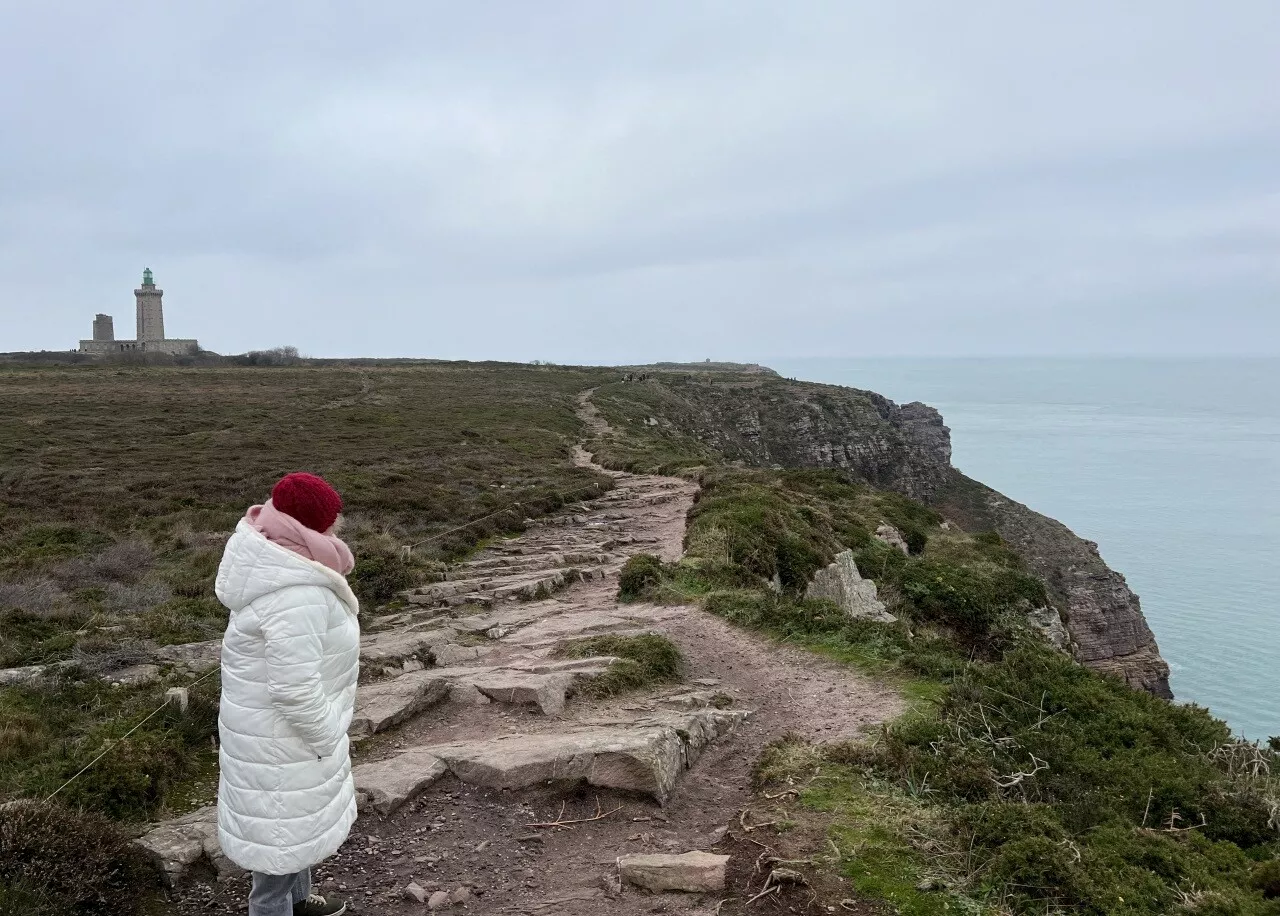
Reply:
x=290, y=660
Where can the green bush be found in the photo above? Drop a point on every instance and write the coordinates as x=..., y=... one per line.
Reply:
x=55, y=861
x=1266, y=878
x=129, y=782
x=639, y=575
x=379, y=575
x=1108, y=771
x=970, y=599
x=822, y=625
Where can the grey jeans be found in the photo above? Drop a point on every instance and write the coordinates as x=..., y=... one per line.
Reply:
x=275, y=895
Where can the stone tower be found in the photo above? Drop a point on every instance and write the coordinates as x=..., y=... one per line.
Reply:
x=104, y=328
x=150, y=309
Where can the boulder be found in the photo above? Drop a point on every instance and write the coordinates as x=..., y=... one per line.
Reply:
x=692, y=872
x=843, y=584
x=893, y=537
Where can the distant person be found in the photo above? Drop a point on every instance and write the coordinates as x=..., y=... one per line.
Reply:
x=290, y=659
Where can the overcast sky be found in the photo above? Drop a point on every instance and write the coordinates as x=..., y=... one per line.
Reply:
x=603, y=181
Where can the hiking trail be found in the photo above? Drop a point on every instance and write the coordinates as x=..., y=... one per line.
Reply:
x=486, y=776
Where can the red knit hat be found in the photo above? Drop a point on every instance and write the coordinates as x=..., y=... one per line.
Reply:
x=309, y=499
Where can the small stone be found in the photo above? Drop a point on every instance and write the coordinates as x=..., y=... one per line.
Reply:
x=717, y=835
x=415, y=892
x=483, y=846
x=460, y=894
x=178, y=696
x=612, y=885
x=439, y=900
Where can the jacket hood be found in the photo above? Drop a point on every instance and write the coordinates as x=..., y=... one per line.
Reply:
x=253, y=566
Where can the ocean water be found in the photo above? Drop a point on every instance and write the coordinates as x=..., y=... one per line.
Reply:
x=1172, y=466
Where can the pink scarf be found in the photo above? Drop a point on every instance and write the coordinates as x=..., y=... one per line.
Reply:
x=290, y=533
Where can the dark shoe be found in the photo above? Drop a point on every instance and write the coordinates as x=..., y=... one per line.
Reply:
x=315, y=905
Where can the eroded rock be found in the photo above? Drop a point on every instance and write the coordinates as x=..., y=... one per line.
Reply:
x=385, y=704
x=893, y=537
x=692, y=872
x=843, y=584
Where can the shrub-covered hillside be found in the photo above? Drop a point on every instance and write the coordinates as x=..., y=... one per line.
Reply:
x=1022, y=782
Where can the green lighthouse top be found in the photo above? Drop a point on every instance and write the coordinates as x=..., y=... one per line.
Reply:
x=147, y=279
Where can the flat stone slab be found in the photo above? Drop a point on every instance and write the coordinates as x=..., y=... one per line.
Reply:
x=646, y=757
x=385, y=704
x=11, y=677
x=390, y=648
x=692, y=872
x=569, y=625
x=385, y=785
x=176, y=845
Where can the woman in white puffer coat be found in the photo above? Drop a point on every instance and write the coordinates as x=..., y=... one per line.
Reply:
x=290, y=660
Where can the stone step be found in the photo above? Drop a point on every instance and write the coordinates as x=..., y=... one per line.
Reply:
x=539, y=562
x=386, y=704
x=645, y=756
x=519, y=585
x=414, y=649
x=534, y=682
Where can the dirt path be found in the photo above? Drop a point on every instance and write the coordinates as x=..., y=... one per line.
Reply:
x=471, y=834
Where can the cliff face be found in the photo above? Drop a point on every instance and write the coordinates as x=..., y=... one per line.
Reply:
x=907, y=448
x=1102, y=614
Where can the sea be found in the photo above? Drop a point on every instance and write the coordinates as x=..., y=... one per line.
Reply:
x=1171, y=465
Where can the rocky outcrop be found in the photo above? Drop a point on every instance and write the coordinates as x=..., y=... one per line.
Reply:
x=843, y=584
x=893, y=537
x=772, y=421
x=1103, y=616
x=907, y=448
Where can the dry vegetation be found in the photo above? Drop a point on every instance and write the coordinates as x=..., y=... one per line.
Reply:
x=120, y=484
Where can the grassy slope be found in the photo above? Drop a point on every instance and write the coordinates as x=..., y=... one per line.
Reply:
x=120, y=485
x=1137, y=807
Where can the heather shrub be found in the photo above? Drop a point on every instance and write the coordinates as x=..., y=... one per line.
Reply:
x=640, y=574
x=380, y=574
x=55, y=861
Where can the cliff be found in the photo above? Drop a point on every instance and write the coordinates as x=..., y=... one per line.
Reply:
x=772, y=422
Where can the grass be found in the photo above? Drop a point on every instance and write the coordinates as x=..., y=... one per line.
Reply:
x=119, y=483
x=643, y=660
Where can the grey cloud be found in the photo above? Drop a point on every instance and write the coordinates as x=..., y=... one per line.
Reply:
x=593, y=182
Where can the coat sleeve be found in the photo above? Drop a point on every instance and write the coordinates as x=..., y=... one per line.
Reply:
x=293, y=623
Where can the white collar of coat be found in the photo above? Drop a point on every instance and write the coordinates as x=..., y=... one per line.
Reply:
x=335, y=580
